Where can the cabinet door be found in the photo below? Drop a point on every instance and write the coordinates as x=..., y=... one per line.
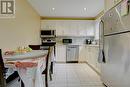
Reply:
x=59, y=32
x=98, y=65
x=59, y=29
x=92, y=57
x=87, y=53
x=60, y=53
x=82, y=53
x=90, y=32
x=48, y=25
x=90, y=29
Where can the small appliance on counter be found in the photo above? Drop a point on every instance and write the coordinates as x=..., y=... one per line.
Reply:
x=66, y=41
x=88, y=41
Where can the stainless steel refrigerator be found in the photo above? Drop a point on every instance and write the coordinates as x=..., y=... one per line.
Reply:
x=115, y=46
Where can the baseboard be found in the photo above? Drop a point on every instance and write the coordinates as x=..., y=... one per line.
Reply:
x=82, y=62
x=72, y=62
x=60, y=62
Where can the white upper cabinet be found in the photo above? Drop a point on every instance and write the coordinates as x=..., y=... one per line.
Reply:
x=90, y=29
x=69, y=27
x=110, y=3
x=48, y=25
x=59, y=29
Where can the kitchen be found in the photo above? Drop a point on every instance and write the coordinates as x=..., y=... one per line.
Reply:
x=76, y=34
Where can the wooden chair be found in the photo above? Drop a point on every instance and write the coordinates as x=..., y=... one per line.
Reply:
x=2, y=80
x=35, y=47
x=47, y=71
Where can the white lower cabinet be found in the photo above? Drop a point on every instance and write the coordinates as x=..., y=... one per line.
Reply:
x=60, y=53
x=82, y=53
x=92, y=57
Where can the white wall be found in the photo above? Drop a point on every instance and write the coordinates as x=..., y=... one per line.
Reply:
x=21, y=30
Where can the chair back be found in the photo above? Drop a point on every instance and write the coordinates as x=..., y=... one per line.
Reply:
x=48, y=61
x=2, y=80
x=35, y=47
x=48, y=58
x=1, y=60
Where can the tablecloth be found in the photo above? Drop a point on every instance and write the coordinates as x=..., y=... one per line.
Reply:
x=31, y=76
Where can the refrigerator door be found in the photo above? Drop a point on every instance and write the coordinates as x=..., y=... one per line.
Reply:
x=114, y=21
x=116, y=71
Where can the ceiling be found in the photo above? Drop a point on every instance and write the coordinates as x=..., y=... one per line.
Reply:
x=68, y=8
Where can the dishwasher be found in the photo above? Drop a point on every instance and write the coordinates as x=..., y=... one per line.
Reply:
x=72, y=53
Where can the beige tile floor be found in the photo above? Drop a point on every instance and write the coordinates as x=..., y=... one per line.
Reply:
x=74, y=75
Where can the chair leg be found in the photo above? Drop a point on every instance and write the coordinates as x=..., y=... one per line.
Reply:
x=22, y=84
x=51, y=67
x=46, y=80
x=50, y=74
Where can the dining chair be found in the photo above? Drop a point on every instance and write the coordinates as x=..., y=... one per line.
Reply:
x=47, y=71
x=3, y=71
x=2, y=80
x=35, y=47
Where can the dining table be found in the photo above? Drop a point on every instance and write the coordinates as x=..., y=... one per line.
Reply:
x=29, y=66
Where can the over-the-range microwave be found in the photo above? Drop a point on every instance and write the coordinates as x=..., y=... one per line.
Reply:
x=48, y=33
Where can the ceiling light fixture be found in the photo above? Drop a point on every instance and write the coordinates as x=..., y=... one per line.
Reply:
x=53, y=9
x=85, y=9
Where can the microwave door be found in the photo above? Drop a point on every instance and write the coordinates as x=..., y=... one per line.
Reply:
x=47, y=33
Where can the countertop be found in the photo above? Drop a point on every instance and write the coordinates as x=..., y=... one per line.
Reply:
x=91, y=45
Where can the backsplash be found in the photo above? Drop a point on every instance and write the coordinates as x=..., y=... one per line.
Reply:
x=75, y=40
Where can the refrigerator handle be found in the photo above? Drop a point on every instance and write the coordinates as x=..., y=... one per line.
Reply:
x=101, y=57
x=104, y=58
